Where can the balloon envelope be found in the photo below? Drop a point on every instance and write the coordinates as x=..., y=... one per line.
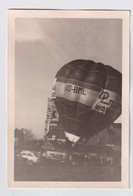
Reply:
x=88, y=97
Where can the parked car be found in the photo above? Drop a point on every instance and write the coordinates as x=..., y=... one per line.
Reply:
x=29, y=156
x=55, y=155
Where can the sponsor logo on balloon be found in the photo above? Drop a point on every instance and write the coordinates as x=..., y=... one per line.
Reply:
x=104, y=103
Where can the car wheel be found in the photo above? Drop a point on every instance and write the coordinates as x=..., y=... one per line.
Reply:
x=73, y=163
x=18, y=157
x=30, y=162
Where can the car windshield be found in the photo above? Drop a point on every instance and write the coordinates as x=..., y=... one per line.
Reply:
x=29, y=154
x=23, y=153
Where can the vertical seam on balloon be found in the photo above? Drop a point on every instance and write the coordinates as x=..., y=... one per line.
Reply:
x=64, y=88
x=78, y=98
x=102, y=89
x=64, y=110
x=92, y=105
x=82, y=85
x=74, y=130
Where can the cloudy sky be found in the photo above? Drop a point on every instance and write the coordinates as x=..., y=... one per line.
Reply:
x=43, y=45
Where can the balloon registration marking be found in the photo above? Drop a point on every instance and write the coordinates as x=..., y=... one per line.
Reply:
x=75, y=89
x=80, y=94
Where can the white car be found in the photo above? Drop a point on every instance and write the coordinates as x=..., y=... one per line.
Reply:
x=29, y=156
x=54, y=155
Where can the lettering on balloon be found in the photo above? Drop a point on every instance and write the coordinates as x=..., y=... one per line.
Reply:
x=104, y=104
x=75, y=89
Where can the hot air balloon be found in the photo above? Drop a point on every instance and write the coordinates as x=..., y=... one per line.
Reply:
x=87, y=97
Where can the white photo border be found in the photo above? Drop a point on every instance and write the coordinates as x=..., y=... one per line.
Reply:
x=124, y=15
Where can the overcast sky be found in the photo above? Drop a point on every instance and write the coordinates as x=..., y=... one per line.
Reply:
x=43, y=46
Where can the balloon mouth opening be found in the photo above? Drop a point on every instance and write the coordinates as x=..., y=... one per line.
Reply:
x=72, y=138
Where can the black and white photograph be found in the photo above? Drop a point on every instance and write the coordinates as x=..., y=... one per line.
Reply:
x=68, y=115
